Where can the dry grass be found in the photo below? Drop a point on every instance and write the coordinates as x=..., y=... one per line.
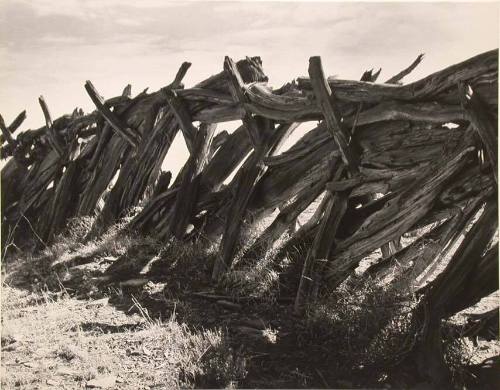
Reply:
x=49, y=338
x=62, y=342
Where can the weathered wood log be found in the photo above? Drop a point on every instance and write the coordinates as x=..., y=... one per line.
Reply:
x=408, y=265
x=485, y=125
x=236, y=84
x=162, y=184
x=405, y=72
x=141, y=172
x=183, y=118
x=249, y=174
x=398, y=216
x=64, y=202
x=483, y=325
x=187, y=195
x=439, y=299
x=7, y=131
x=287, y=216
x=319, y=253
x=104, y=136
x=128, y=134
x=326, y=101
x=482, y=282
x=426, y=88
x=38, y=179
x=177, y=82
x=13, y=181
x=453, y=235
x=102, y=174
x=54, y=138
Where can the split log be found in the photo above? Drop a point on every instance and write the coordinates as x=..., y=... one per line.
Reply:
x=236, y=85
x=245, y=180
x=326, y=101
x=64, y=202
x=187, y=195
x=54, y=138
x=142, y=171
x=485, y=125
x=482, y=282
x=439, y=299
x=162, y=183
x=426, y=88
x=405, y=72
x=287, y=216
x=397, y=217
x=319, y=253
x=183, y=118
x=7, y=131
x=128, y=134
x=409, y=263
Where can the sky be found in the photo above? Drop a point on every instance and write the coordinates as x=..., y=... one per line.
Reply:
x=50, y=47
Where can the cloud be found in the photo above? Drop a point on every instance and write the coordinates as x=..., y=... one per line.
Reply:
x=52, y=46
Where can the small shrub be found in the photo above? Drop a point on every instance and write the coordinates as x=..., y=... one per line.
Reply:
x=363, y=325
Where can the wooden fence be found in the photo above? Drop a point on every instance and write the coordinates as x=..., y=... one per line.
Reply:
x=385, y=158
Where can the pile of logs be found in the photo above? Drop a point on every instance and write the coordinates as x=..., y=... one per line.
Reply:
x=386, y=159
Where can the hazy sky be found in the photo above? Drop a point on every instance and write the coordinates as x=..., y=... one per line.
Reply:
x=51, y=47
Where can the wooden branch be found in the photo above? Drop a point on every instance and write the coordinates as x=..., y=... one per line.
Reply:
x=405, y=72
x=162, y=184
x=12, y=128
x=7, y=136
x=127, y=91
x=446, y=294
x=428, y=87
x=219, y=140
x=287, y=217
x=177, y=83
x=236, y=87
x=204, y=95
x=250, y=173
x=53, y=137
x=319, y=253
x=485, y=125
x=236, y=213
x=326, y=101
x=104, y=137
x=187, y=196
x=17, y=122
x=183, y=117
x=125, y=132
x=397, y=217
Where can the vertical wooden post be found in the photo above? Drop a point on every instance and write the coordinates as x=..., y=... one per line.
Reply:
x=336, y=203
x=53, y=137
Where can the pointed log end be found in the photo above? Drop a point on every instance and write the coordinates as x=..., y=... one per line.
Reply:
x=127, y=91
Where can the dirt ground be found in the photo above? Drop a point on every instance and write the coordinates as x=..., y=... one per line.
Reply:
x=66, y=326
